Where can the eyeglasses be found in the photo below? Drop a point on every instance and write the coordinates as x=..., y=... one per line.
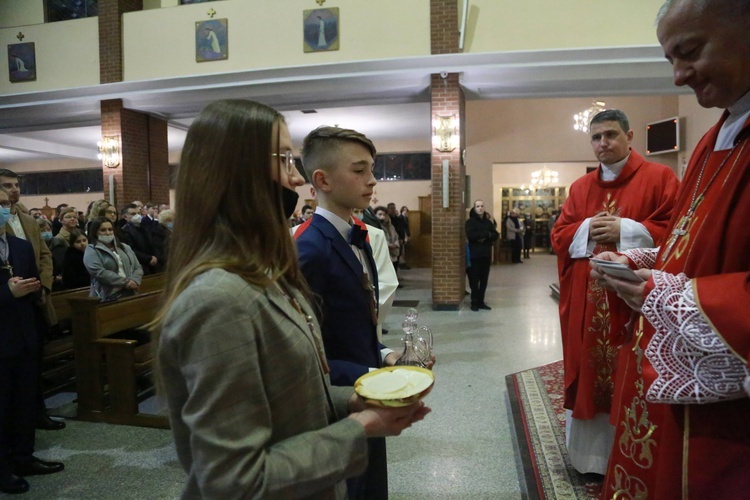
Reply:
x=289, y=163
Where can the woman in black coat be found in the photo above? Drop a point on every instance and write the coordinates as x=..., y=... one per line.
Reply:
x=481, y=233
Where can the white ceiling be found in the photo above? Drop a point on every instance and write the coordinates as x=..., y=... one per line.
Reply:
x=385, y=99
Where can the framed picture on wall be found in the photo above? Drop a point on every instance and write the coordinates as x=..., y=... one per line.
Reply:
x=321, y=30
x=211, y=40
x=21, y=62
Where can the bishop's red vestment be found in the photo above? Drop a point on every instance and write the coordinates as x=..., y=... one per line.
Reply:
x=683, y=419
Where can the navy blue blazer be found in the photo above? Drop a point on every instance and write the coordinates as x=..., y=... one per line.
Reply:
x=18, y=335
x=335, y=276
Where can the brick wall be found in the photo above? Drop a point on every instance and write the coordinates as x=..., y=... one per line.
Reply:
x=143, y=173
x=448, y=235
x=158, y=160
x=110, y=37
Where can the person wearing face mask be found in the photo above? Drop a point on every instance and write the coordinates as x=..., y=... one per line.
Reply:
x=160, y=233
x=20, y=288
x=114, y=269
x=240, y=357
x=46, y=229
x=74, y=272
x=139, y=239
x=58, y=244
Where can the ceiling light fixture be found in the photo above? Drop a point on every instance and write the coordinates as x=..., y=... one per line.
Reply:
x=581, y=120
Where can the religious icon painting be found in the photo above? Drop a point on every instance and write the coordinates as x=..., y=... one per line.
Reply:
x=211, y=40
x=21, y=62
x=321, y=29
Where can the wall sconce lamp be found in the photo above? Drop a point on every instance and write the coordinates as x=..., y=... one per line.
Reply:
x=445, y=136
x=109, y=151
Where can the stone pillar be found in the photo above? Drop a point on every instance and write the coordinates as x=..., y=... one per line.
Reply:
x=448, y=234
x=143, y=173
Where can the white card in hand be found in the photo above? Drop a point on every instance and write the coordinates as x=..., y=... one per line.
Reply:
x=616, y=269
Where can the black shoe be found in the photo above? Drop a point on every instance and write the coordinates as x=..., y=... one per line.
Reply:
x=13, y=485
x=47, y=424
x=474, y=308
x=384, y=331
x=36, y=467
x=485, y=307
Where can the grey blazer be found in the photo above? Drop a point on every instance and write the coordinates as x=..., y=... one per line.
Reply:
x=252, y=412
x=102, y=266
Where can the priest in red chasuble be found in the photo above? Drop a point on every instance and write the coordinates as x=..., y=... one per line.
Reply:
x=626, y=203
x=682, y=403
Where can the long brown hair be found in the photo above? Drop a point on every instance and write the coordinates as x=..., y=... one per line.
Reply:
x=225, y=181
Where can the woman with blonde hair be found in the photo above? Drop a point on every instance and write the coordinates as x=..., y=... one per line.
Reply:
x=240, y=357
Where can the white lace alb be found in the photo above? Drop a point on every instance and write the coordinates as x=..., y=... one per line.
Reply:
x=692, y=362
x=644, y=258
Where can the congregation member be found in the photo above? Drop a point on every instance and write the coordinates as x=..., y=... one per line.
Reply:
x=97, y=209
x=625, y=203
x=338, y=264
x=369, y=218
x=240, y=356
x=45, y=228
x=160, y=236
x=36, y=213
x=138, y=238
x=305, y=213
x=114, y=269
x=481, y=233
x=392, y=239
x=59, y=244
x=151, y=217
x=514, y=234
x=26, y=227
x=56, y=222
x=74, y=272
x=682, y=418
x=20, y=288
x=110, y=212
x=404, y=216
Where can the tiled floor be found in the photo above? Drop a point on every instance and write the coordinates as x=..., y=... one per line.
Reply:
x=465, y=448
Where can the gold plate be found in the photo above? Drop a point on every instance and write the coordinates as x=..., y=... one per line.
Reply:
x=394, y=402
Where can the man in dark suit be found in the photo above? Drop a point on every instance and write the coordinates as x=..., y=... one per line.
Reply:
x=26, y=227
x=338, y=265
x=19, y=288
x=139, y=239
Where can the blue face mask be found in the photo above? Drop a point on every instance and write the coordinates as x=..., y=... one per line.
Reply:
x=4, y=215
x=47, y=235
x=170, y=225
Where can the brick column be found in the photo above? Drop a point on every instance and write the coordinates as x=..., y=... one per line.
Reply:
x=143, y=173
x=448, y=235
x=110, y=37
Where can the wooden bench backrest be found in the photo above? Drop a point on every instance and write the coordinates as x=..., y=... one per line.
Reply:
x=150, y=283
x=93, y=320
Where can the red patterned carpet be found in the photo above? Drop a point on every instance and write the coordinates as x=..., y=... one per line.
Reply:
x=536, y=398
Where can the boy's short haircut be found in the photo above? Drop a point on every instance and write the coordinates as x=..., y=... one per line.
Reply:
x=320, y=146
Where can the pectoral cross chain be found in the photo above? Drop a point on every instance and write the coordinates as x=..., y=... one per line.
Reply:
x=680, y=229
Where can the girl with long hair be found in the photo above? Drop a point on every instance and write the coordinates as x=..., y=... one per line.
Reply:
x=240, y=357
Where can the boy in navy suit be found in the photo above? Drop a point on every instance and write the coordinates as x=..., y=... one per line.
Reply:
x=338, y=265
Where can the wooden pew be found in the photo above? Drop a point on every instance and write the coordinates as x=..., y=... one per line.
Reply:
x=58, y=369
x=112, y=363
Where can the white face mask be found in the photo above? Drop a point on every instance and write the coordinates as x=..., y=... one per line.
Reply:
x=136, y=219
x=106, y=238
